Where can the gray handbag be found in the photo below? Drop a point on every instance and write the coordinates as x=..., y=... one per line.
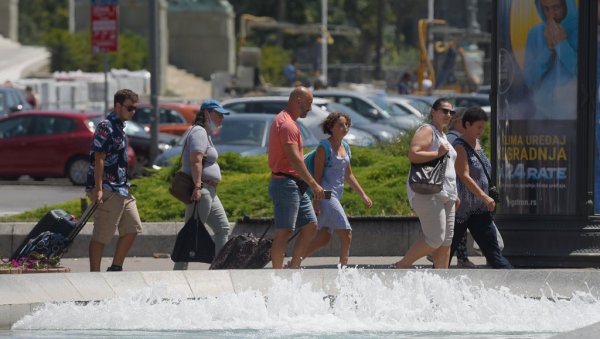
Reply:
x=428, y=178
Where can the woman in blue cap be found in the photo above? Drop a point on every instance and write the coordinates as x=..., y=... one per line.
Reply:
x=199, y=159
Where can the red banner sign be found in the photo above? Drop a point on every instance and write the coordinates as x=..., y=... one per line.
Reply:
x=105, y=26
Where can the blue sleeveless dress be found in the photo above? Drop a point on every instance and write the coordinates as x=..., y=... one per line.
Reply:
x=332, y=214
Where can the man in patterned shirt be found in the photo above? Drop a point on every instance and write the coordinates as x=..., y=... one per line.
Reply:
x=107, y=184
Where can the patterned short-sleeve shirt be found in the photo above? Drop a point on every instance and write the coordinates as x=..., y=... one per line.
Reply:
x=110, y=138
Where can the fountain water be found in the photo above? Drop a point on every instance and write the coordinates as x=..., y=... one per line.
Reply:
x=417, y=304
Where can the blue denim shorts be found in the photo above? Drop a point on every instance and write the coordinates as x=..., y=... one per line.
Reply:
x=290, y=207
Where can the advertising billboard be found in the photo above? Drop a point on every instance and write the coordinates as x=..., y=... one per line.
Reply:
x=537, y=44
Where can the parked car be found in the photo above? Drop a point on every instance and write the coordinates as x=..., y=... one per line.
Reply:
x=383, y=133
x=366, y=107
x=174, y=118
x=140, y=140
x=399, y=108
x=12, y=100
x=274, y=105
x=472, y=99
x=422, y=103
x=246, y=134
x=45, y=144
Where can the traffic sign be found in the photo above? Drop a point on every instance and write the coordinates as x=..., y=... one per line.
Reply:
x=104, y=21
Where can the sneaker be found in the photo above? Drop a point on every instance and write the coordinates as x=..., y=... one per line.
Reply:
x=465, y=264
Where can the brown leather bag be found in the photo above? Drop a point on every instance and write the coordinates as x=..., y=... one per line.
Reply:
x=182, y=184
x=182, y=187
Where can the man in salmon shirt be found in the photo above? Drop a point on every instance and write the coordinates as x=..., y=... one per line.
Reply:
x=290, y=179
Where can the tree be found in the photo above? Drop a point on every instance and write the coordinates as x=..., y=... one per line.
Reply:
x=36, y=17
x=73, y=51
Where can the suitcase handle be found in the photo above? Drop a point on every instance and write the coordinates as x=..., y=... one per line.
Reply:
x=87, y=214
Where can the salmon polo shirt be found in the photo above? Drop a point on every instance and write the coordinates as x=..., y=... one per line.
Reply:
x=284, y=131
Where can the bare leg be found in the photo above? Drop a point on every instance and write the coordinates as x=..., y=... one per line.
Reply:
x=417, y=251
x=278, y=247
x=306, y=235
x=95, y=252
x=123, y=245
x=319, y=241
x=345, y=240
x=441, y=257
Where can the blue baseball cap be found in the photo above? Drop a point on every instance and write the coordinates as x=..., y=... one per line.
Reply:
x=214, y=105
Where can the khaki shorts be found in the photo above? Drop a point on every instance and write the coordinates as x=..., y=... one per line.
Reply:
x=116, y=212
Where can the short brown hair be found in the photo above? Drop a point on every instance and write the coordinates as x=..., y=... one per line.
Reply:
x=124, y=94
x=331, y=119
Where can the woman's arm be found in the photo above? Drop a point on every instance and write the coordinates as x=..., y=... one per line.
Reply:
x=462, y=172
x=418, y=151
x=355, y=185
x=196, y=166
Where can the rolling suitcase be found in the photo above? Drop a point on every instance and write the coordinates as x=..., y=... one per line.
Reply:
x=53, y=234
x=245, y=251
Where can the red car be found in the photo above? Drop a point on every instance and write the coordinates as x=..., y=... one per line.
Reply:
x=174, y=117
x=48, y=144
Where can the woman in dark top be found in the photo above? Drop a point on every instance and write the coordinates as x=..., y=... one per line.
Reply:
x=476, y=207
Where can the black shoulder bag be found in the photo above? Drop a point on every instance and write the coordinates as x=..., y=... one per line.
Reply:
x=428, y=178
x=492, y=189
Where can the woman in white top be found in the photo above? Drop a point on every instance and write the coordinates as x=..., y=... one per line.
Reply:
x=435, y=211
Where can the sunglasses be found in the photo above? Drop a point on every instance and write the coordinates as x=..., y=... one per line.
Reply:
x=130, y=108
x=446, y=111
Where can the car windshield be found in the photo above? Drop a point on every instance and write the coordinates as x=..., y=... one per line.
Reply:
x=354, y=115
x=240, y=132
x=132, y=128
x=420, y=105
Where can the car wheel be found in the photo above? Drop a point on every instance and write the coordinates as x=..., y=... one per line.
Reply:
x=77, y=171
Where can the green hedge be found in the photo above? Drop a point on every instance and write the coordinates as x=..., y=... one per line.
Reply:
x=381, y=170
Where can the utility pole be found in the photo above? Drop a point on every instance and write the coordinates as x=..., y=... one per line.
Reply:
x=430, y=17
x=324, y=38
x=473, y=26
x=280, y=19
x=379, y=39
x=154, y=20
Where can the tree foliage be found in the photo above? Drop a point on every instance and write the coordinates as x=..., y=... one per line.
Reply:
x=36, y=17
x=73, y=51
x=399, y=27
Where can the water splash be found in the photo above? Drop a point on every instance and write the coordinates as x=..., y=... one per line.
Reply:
x=417, y=302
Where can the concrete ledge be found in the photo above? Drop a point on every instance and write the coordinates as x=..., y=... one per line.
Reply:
x=19, y=294
x=376, y=236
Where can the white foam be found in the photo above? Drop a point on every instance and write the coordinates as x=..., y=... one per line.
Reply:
x=416, y=302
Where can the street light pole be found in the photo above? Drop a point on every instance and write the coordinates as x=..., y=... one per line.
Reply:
x=430, y=17
x=154, y=79
x=324, y=40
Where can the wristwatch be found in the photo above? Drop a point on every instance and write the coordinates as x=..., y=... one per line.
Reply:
x=198, y=185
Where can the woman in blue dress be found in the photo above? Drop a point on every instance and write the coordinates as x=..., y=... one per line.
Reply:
x=331, y=169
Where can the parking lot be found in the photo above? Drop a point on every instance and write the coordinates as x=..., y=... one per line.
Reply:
x=26, y=194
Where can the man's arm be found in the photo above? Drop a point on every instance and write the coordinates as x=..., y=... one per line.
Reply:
x=297, y=162
x=99, y=158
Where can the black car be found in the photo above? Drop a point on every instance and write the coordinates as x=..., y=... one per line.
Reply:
x=140, y=141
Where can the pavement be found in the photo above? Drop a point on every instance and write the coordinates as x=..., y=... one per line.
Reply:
x=17, y=61
x=164, y=263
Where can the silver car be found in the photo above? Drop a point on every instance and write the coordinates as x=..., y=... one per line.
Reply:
x=245, y=134
x=275, y=104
